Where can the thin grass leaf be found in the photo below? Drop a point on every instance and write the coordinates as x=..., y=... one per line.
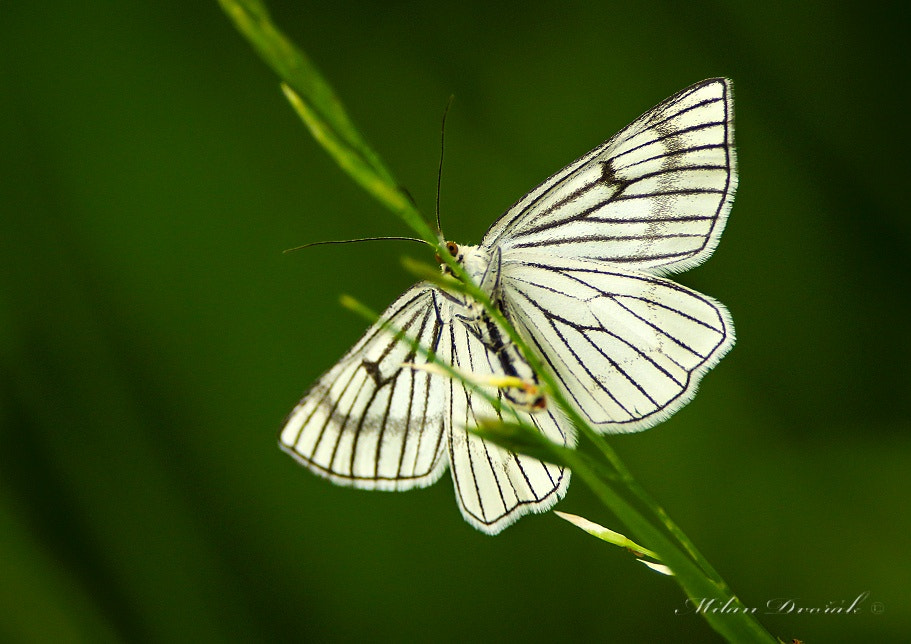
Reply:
x=318, y=106
x=606, y=534
x=615, y=538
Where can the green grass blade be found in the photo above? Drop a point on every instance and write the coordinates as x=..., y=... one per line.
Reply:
x=318, y=106
x=608, y=535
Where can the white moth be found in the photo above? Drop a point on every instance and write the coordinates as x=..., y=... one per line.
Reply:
x=576, y=266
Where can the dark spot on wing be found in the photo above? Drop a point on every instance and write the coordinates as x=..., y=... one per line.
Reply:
x=373, y=370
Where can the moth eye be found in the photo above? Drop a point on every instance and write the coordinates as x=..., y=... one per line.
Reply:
x=453, y=248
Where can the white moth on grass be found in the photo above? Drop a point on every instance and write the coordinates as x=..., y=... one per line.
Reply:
x=577, y=266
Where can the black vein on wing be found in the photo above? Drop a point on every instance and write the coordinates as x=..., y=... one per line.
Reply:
x=670, y=140
x=510, y=370
x=610, y=168
x=436, y=335
x=373, y=371
x=473, y=418
x=669, y=154
x=669, y=116
x=457, y=362
x=491, y=460
x=551, y=318
x=520, y=459
x=337, y=421
x=663, y=138
x=609, y=179
x=621, y=193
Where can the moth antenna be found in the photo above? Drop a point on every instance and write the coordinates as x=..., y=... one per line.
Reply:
x=352, y=241
x=440, y=169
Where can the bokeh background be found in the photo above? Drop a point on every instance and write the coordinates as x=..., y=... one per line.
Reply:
x=153, y=335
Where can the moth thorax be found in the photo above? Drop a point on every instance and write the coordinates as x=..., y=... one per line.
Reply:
x=483, y=272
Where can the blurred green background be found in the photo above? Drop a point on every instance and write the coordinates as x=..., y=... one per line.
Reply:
x=153, y=336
